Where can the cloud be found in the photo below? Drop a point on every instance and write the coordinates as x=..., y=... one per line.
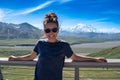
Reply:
x=63, y=1
x=2, y=15
x=109, y=30
x=6, y=14
x=41, y=6
x=99, y=20
x=102, y=25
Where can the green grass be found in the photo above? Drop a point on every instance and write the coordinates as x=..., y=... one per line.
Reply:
x=86, y=50
x=18, y=41
x=7, y=52
x=11, y=73
x=99, y=72
x=70, y=39
x=18, y=72
x=96, y=52
x=108, y=53
x=27, y=73
x=79, y=40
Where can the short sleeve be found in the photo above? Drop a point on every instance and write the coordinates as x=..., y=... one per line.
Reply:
x=68, y=50
x=36, y=48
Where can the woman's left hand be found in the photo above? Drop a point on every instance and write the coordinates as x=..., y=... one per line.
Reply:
x=101, y=60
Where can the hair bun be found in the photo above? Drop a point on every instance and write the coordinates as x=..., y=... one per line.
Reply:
x=51, y=17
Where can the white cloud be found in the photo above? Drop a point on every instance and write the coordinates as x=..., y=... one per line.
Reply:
x=63, y=1
x=109, y=30
x=2, y=15
x=6, y=14
x=41, y=6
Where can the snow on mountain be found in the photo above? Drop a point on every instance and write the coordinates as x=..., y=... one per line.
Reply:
x=89, y=28
x=83, y=28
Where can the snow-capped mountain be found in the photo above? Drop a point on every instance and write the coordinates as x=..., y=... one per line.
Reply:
x=83, y=28
x=89, y=31
x=90, y=28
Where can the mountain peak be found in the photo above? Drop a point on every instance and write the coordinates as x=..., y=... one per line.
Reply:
x=23, y=30
x=83, y=28
x=25, y=24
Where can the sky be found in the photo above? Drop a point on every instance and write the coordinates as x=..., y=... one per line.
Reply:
x=103, y=15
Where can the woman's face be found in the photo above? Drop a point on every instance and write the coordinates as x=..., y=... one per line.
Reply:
x=51, y=30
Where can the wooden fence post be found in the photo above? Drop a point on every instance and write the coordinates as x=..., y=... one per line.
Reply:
x=1, y=76
x=76, y=73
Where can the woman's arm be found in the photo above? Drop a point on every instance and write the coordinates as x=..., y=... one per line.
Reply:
x=30, y=56
x=75, y=57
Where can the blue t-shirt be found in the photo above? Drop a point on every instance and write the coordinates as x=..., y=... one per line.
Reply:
x=51, y=58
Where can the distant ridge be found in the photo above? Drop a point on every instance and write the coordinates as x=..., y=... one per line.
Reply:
x=111, y=53
x=23, y=30
x=27, y=31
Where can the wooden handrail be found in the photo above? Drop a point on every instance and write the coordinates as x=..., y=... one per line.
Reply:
x=112, y=63
x=68, y=63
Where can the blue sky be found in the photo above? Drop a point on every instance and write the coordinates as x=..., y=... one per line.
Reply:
x=104, y=15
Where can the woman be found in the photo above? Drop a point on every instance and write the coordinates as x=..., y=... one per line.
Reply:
x=51, y=52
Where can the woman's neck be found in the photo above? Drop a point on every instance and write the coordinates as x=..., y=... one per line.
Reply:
x=53, y=41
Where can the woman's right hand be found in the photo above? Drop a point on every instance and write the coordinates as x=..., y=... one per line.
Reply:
x=11, y=58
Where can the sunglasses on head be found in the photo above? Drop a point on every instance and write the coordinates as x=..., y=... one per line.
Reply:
x=48, y=30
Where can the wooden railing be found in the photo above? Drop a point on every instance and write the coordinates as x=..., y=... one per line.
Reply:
x=112, y=63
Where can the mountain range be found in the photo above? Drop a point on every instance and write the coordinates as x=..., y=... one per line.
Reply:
x=26, y=30
x=23, y=30
x=84, y=30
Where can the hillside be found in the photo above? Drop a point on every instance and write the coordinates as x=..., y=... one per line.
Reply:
x=108, y=53
x=23, y=30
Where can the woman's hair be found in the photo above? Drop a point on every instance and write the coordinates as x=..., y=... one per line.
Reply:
x=51, y=17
